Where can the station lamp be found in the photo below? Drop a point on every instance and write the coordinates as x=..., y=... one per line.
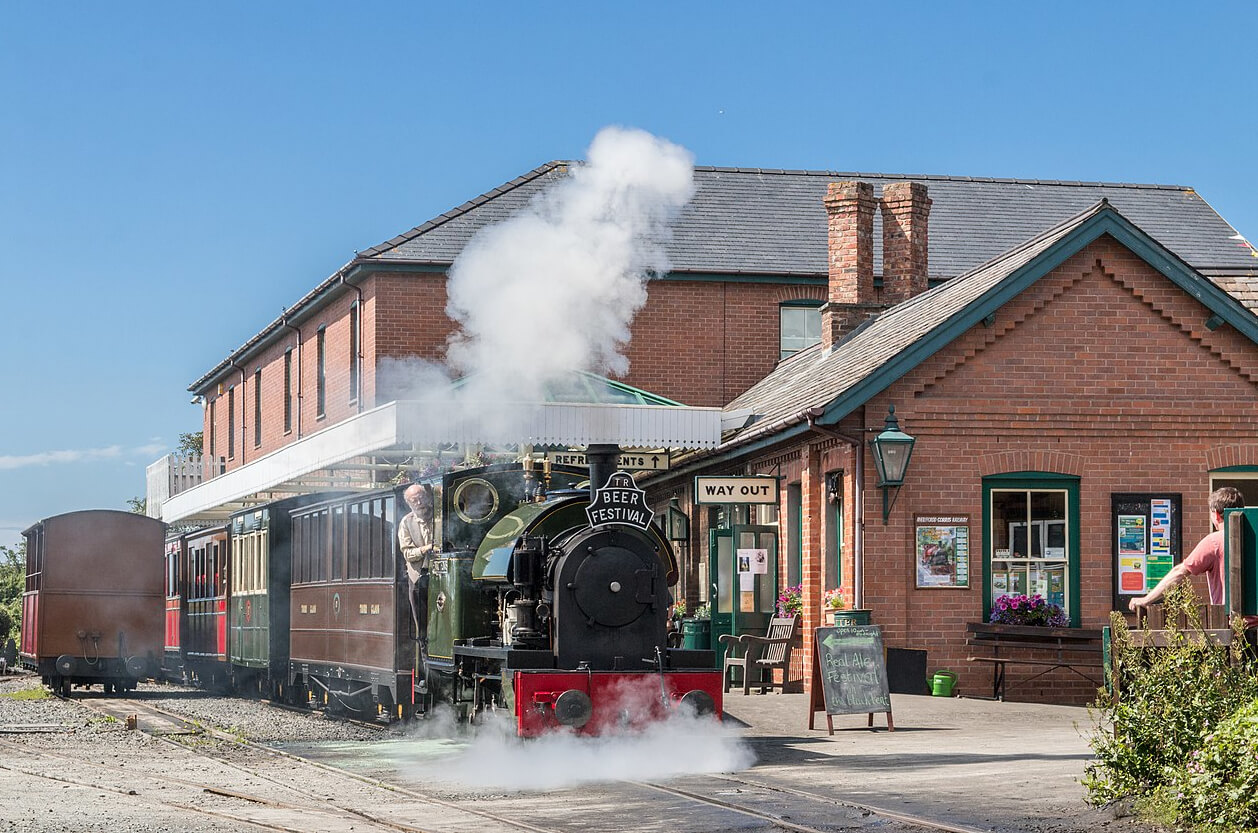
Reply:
x=676, y=524
x=892, y=450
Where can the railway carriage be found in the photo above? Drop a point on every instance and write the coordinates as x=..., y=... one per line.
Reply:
x=259, y=585
x=205, y=591
x=352, y=645
x=92, y=608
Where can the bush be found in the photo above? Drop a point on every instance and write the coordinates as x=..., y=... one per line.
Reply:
x=1172, y=699
x=1219, y=785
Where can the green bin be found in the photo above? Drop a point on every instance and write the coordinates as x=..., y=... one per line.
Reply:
x=696, y=634
x=847, y=618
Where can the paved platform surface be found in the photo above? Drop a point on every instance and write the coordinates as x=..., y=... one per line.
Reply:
x=975, y=763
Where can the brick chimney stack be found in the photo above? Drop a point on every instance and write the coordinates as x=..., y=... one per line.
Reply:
x=905, y=214
x=850, y=300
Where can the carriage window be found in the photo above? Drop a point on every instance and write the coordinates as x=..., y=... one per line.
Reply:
x=338, y=543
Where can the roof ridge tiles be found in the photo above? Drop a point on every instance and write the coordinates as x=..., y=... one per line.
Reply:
x=942, y=178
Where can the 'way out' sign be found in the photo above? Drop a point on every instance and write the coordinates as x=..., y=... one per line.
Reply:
x=736, y=490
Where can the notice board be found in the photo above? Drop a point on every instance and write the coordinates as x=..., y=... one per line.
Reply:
x=1145, y=531
x=849, y=674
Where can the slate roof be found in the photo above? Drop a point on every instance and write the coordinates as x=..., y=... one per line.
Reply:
x=761, y=222
x=828, y=385
x=773, y=222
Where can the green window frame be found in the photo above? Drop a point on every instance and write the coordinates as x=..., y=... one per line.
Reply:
x=1037, y=512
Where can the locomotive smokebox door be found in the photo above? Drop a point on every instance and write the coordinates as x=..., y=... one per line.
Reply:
x=609, y=594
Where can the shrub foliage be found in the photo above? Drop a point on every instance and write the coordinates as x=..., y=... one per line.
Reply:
x=1168, y=735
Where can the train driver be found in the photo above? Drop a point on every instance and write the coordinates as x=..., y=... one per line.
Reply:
x=415, y=537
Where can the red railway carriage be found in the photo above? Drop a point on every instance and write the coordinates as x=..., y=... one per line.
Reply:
x=202, y=622
x=92, y=608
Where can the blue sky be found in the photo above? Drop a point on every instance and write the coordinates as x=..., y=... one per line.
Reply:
x=173, y=174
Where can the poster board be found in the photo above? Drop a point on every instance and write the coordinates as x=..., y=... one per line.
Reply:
x=1146, y=539
x=849, y=674
x=941, y=553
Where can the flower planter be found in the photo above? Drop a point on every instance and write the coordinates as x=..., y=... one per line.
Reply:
x=847, y=618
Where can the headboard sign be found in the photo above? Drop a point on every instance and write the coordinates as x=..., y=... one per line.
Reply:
x=849, y=674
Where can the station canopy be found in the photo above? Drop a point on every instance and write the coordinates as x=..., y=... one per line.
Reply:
x=368, y=449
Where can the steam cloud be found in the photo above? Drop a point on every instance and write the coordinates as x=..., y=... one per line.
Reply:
x=555, y=288
x=493, y=758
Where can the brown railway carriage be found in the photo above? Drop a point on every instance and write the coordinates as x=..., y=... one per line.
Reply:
x=352, y=638
x=92, y=608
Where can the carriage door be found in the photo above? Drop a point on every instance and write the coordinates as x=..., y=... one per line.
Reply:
x=742, y=575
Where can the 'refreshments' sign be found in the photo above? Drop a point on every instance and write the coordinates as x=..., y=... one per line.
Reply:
x=620, y=501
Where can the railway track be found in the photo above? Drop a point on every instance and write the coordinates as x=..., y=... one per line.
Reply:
x=277, y=790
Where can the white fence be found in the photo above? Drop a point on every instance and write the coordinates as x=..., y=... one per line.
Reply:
x=176, y=473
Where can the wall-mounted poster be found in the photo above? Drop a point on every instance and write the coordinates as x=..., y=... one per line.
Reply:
x=1146, y=540
x=942, y=550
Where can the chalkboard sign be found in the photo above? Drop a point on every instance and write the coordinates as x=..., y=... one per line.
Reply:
x=849, y=674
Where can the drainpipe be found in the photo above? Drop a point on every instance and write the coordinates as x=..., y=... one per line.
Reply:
x=358, y=394
x=244, y=429
x=858, y=502
x=284, y=322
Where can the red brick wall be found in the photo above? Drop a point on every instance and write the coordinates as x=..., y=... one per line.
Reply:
x=1102, y=369
x=705, y=342
x=699, y=342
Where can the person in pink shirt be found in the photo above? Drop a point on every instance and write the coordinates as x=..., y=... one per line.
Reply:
x=1205, y=559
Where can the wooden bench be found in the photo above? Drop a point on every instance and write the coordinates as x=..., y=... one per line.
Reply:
x=1045, y=648
x=762, y=654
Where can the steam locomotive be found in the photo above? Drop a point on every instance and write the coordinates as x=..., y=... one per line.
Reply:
x=542, y=604
x=560, y=621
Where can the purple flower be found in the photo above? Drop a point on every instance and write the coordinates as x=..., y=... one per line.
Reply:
x=1028, y=610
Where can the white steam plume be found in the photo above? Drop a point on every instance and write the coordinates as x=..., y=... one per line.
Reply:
x=555, y=287
x=682, y=744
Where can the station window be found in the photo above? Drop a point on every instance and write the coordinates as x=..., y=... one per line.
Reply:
x=257, y=408
x=213, y=429
x=321, y=378
x=231, y=423
x=800, y=326
x=353, y=351
x=288, y=390
x=1031, y=534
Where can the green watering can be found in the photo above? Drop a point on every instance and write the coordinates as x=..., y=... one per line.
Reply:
x=941, y=684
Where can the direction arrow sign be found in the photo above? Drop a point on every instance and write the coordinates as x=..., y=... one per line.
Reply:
x=629, y=460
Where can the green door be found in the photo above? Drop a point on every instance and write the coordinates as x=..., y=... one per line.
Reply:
x=741, y=602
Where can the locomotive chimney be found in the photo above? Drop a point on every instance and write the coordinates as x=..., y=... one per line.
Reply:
x=603, y=459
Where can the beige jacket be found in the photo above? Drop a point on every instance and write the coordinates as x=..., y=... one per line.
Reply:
x=415, y=538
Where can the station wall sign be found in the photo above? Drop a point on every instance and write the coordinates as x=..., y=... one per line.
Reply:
x=629, y=460
x=753, y=489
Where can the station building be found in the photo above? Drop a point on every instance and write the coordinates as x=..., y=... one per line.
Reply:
x=1057, y=346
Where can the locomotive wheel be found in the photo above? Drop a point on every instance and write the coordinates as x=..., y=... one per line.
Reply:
x=63, y=686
